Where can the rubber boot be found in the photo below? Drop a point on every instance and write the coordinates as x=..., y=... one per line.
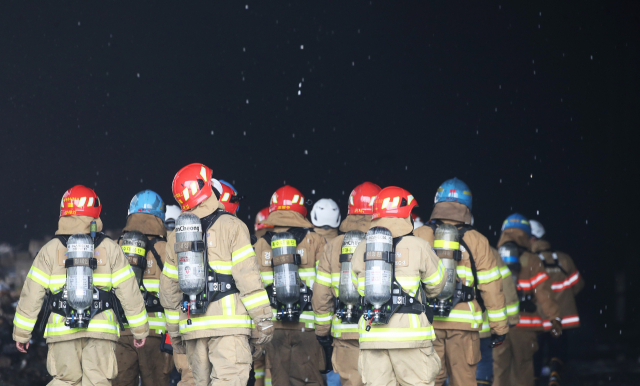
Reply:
x=555, y=366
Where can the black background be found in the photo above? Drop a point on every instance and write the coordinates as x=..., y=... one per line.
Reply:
x=534, y=106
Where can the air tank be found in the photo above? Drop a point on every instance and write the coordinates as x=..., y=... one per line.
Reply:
x=80, y=278
x=377, y=282
x=510, y=254
x=447, y=247
x=191, y=269
x=134, y=245
x=285, y=275
x=348, y=293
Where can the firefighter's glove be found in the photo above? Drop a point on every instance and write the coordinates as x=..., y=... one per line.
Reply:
x=556, y=327
x=256, y=350
x=325, y=341
x=178, y=345
x=264, y=328
x=497, y=340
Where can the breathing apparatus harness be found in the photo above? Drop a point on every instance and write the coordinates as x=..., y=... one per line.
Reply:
x=527, y=301
x=400, y=302
x=462, y=293
x=217, y=285
x=102, y=300
x=556, y=262
x=306, y=294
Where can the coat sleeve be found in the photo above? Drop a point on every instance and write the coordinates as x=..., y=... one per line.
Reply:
x=432, y=272
x=574, y=280
x=246, y=273
x=489, y=283
x=540, y=285
x=33, y=293
x=512, y=307
x=323, y=294
x=128, y=292
x=169, y=293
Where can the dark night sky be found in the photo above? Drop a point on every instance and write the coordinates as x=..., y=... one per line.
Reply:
x=531, y=105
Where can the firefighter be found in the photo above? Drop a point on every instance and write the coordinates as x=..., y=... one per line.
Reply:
x=294, y=356
x=212, y=323
x=513, y=360
x=566, y=282
x=78, y=275
x=457, y=324
x=325, y=216
x=484, y=374
x=144, y=244
x=229, y=198
x=395, y=272
x=326, y=288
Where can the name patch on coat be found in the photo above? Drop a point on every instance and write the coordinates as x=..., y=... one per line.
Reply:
x=266, y=259
x=402, y=257
x=211, y=239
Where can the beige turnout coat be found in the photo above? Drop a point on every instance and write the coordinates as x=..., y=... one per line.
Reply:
x=49, y=273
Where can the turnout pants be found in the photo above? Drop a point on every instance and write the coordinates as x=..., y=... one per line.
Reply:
x=345, y=361
x=459, y=352
x=295, y=358
x=83, y=361
x=220, y=360
x=513, y=360
x=261, y=372
x=147, y=364
x=186, y=377
x=406, y=366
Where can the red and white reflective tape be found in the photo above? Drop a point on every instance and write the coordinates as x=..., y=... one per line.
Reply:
x=569, y=282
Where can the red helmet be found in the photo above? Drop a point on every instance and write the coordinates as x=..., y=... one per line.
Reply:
x=362, y=197
x=192, y=185
x=229, y=197
x=393, y=202
x=80, y=201
x=288, y=198
x=262, y=215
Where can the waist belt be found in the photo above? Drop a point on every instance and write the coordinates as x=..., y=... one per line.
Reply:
x=224, y=286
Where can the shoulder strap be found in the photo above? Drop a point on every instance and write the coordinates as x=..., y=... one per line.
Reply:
x=96, y=242
x=63, y=239
x=151, y=246
x=299, y=233
x=462, y=229
x=434, y=224
x=267, y=237
x=207, y=222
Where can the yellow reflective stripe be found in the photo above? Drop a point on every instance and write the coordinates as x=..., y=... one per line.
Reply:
x=308, y=275
x=256, y=300
x=229, y=305
x=170, y=271
x=472, y=317
x=152, y=285
x=437, y=277
x=323, y=318
x=513, y=309
x=323, y=278
x=496, y=315
x=337, y=327
x=23, y=322
x=258, y=373
x=242, y=254
x=267, y=277
x=361, y=285
x=135, y=250
x=488, y=276
x=102, y=280
x=108, y=326
x=39, y=277
x=172, y=316
x=157, y=323
x=121, y=275
x=267, y=382
x=465, y=274
x=137, y=320
x=444, y=244
x=223, y=267
x=409, y=284
x=220, y=321
x=397, y=334
x=57, y=281
x=348, y=249
x=505, y=272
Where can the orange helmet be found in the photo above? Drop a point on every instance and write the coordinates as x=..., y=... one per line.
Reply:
x=80, y=201
x=362, y=197
x=393, y=202
x=262, y=215
x=288, y=198
x=192, y=185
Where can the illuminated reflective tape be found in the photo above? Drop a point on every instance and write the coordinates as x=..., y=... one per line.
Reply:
x=283, y=243
x=135, y=250
x=444, y=244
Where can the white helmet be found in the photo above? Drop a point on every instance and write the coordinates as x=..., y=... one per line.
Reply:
x=173, y=211
x=417, y=222
x=536, y=229
x=325, y=212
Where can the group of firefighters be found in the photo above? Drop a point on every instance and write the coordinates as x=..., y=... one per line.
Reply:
x=373, y=299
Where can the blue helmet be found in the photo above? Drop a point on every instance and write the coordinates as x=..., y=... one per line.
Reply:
x=519, y=221
x=454, y=190
x=149, y=202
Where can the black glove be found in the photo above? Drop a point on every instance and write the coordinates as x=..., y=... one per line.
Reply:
x=496, y=340
x=325, y=341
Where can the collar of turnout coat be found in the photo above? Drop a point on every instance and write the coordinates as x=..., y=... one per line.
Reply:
x=356, y=222
x=287, y=218
x=398, y=226
x=145, y=223
x=207, y=207
x=516, y=235
x=540, y=245
x=454, y=211
x=70, y=225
